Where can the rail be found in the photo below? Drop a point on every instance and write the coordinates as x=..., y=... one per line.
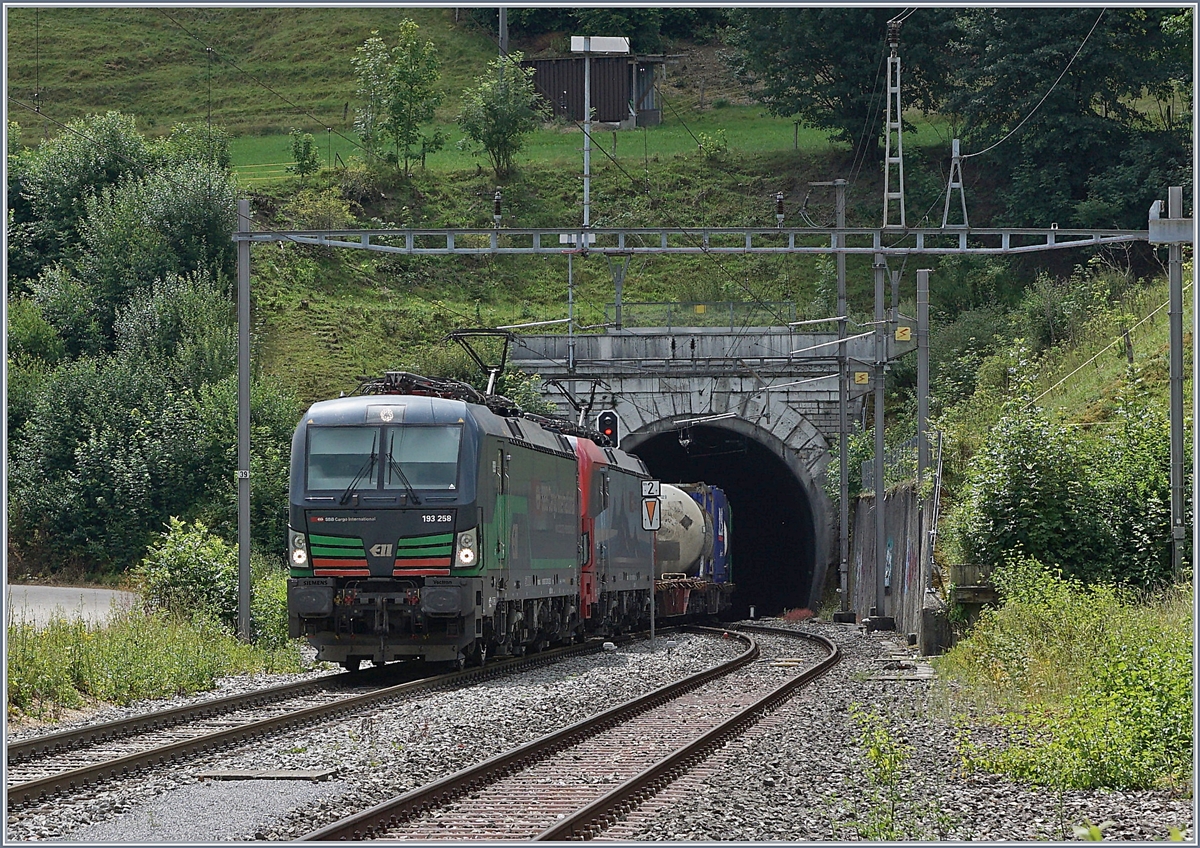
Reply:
x=377, y=821
x=68, y=781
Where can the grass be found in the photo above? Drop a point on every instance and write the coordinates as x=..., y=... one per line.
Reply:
x=1082, y=379
x=744, y=129
x=69, y=662
x=1090, y=686
x=274, y=68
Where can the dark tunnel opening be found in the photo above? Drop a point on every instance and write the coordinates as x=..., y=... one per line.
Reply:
x=774, y=551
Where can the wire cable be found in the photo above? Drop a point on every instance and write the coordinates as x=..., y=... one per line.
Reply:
x=1044, y=96
x=1107, y=347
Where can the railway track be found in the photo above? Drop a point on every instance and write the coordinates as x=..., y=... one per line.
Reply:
x=72, y=761
x=568, y=784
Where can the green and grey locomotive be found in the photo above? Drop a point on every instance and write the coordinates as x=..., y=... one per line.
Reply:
x=423, y=525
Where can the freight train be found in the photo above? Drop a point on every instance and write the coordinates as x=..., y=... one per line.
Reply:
x=427, y=520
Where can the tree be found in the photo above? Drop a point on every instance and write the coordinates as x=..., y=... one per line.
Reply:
x=92, y=154
x=413, y=95
x=177, y=220
x=182, y=327
x=829, y=66
x=196, y=142
x=502, y=108
x=1093, y=148
x=399, y=93
x=304, y=154
x=370, y=65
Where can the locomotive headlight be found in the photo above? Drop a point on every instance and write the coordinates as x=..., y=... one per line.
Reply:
x=465, y=555
x=299, y=549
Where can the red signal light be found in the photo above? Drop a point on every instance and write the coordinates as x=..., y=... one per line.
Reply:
x=608, y=425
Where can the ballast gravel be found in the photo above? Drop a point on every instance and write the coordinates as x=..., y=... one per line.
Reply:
x=375, y=755
x=799, y=775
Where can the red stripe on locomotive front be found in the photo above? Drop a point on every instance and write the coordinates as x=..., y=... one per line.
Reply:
x=323, y=562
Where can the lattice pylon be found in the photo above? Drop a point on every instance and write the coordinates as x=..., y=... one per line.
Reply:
x=894, y=135
x=956, y=182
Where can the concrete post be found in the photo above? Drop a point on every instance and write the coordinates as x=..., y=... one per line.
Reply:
x=847, y=614
x=924, y=512
x=880, y=612
x=1175, y=279
x=243, y=449
x=922, y=373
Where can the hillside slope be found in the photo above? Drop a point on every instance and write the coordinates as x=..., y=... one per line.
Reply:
x=271, y=69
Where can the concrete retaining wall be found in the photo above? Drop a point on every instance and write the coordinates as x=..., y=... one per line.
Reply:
x=905, y=580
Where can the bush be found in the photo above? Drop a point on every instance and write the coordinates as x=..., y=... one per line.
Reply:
x=94, y=153
x=176, y=220
x=196, y=142
x=106, y=454
x=304, y=154
x=268, y=602
x=1029, y=493
x=192, y=572
x=189, y=571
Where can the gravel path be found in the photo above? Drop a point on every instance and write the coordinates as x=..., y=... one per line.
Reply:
x=797, y=775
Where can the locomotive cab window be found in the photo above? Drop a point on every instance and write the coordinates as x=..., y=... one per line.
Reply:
x=339, y=456
x=426, y=456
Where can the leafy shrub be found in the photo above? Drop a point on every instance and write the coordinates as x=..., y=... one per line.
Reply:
x=320, y=210
x=196, y=142
x=274, y=412
x=176, y=220
x=30, y=336
x=1028, y=493
x=268, y=602
x=189, y=570
x=68, y=305
x=713, y=145
x=1098, y=685
x=94, y=153
x=181, y=326
x=304, y=154
x=106, y=454
x=192, y=572
x=1130, y=470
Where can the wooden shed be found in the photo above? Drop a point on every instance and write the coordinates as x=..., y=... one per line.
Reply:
x=623, y=88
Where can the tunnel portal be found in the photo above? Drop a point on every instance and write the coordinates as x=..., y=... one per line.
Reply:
x=773, y=533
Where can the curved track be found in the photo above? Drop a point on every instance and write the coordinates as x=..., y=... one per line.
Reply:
x=568, y=783
x=71, y=761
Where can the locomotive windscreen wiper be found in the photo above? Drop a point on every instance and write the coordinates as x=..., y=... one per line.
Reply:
x=395, y=466
x=362, y=472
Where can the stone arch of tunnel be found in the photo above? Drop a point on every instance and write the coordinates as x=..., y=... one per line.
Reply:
x=781, y=520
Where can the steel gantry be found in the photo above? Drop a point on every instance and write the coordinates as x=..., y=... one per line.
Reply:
x=554, y=241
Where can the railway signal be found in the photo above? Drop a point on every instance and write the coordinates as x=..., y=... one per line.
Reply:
x=609, y=426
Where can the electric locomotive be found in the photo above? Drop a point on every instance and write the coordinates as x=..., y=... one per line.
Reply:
x=424, y=524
